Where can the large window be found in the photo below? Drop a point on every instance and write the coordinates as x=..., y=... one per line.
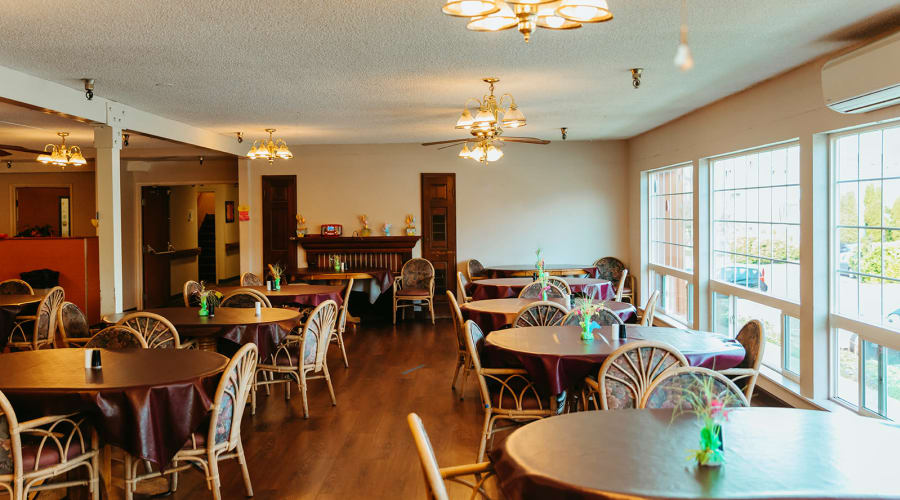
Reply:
x=671, y=239
x=865, y=307
x=755, y=239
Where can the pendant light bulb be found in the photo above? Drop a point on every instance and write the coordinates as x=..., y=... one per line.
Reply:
x=683, y=58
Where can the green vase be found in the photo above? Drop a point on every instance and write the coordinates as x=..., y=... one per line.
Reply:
x=203, y=310
x=586, y=333
x=278, y=283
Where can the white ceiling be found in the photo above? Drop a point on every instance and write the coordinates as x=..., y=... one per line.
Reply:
x=372, y=71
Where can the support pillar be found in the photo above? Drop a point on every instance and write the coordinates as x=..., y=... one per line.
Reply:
x=108, y=141
x=245, y=228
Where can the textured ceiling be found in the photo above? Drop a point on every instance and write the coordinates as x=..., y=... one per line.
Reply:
x=370, y=71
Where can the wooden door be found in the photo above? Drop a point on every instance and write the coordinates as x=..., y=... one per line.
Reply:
x=439, y=229
x=279, y=194
x=155, y=233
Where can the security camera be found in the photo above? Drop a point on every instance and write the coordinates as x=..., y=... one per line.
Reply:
x=88, y=88
x=636, y=77
x=240, y=137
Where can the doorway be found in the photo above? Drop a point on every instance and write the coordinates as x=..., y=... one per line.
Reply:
x=206, y=236
x=439, y=229
x=279, y=195
x=43, y=211
x=154, y=245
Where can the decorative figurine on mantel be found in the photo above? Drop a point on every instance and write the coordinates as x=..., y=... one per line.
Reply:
x=365, y=231
x=301, y=226
x=387, y=229
x=410, y=225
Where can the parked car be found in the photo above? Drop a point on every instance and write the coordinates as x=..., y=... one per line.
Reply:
x=749, y=277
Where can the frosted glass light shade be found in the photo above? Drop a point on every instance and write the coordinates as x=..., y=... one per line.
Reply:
x=470, y=8
x=585, y=11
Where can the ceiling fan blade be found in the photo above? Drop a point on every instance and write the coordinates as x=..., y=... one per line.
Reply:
x=448, y=146
x=527, y=140
x=445, y=142
x=5, y=153
x=19, y=148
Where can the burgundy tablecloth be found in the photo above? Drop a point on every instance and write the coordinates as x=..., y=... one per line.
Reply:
x=266, y=336
x=502, y=288
x=495, y=314
x=557, y=359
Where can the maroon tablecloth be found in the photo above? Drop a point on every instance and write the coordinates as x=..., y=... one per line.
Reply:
x=557, y=359
x=509, y=271
x=502, y=288
x=146, y=401
x=266, y=336
x=495, y=314
x=295, y=294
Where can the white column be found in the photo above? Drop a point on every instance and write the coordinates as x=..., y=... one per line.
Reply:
x=108, y=141
x=245, y=228
x=702, y=296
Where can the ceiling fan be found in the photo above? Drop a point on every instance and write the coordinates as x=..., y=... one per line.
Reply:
x=486, y=127
x=6, y=148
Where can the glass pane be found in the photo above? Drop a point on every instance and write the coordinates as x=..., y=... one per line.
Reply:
x=793, y=344
x=847, y=379
x=847, y=291
x=722, y=314
x=676, y=298
x=870, y=155
x=891, y=292
x=871, y=203
x=848, y=203
x=892, y=152
x=779, y=167
x=870, y=300
x=793, y=166
x=871, y=372
x=893, y=373
x=891, y=201
x=848, y=157
x=771, y=321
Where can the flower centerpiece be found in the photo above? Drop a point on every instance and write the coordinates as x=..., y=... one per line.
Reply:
x=209, y=299
x=542, y=275
x=710, y=407
x=585, y=309
x=276, y=271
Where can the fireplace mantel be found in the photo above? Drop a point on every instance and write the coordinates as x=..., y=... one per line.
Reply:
x=389, y=252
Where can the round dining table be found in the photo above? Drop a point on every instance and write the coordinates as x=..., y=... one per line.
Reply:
x=558, y=359
x=509, y=271
x=146, y=401
x=294, y=294
x=502, y=288
x=769, y=453
x=10, y=307
x=234, y=325
x=496, y=314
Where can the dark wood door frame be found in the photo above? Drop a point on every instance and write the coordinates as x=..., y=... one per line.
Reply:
x=156, y=268
x=279, y=211
x=439, y=229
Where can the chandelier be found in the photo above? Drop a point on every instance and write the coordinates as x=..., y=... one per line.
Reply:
x=486, y=126
x=62, y=155
x=270, y=149
x=528, y=15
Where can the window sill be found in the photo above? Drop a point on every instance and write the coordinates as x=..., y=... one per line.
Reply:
x=660, y=319
x=788, y=391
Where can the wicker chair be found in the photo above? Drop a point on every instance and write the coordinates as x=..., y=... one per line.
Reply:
x=414, y=285
x=245, y=298
x=650, y=309
x=602, y=316
x=462, y=355
x=157, y=331
x=752, y=336
x=73, y=326
x=435, y=476
x=250, y=279
x=221, y=440
x=15, y=287
x=511, y=396
x=474, y=270
x=337, y=335
x=560, y=283
x=191, y=293
x=295, y=361
x=534, y=291
x=461, y=288
x=117, y=337
x=620, y=288
x=668, y=390
x=42, y=325
x=627, y=373
x=34, y=451
x=540, y=313
x=610, y=268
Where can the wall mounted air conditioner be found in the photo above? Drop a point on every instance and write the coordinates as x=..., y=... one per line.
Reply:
x=865, y=79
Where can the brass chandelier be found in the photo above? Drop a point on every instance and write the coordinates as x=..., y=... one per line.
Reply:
x=270, y=149
x=528, y=15
x=61, y=155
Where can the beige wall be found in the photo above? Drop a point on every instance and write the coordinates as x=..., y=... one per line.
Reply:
x=82, y=196
x=567, y=197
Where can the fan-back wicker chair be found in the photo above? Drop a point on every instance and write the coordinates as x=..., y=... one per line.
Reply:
x=560, y=283
x=620, y=288
x=73, y=326
x=42, y=326
x=650, y=309
x=414, y=285
x=191, y=293
x=117, y=337
x=245, y=298
x=34, y=451
x=250, y=279
x=296, y=361
x=337, y=336
x=435, y=476
x=15, y=287
x=474, y=270
x=511, y=396
x=157, y=331
x=611, y=268
x=534, y=291
x=668, y=390
x=540, y=313
x=461, y=288
x=221, y=440
x=602, y=316
x=462, y=355
x=627, y=374
x=752, y=336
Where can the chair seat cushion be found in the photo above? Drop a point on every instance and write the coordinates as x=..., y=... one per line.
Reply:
x=413, y=292
x=49, y=454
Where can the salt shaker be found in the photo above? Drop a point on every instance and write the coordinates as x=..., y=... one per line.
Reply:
x=269, y=285
x=259, y=308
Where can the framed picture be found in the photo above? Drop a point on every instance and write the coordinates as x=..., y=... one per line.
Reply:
x=229, y=211
x=64, y=228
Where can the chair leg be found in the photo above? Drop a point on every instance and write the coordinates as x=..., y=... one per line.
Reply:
x=459, y=363
x=129, y=477
x=431, y=309
x=173, y=479
x=488, y=423
x=95, y=469
x=303, y=393
x=465, y=376
x=328, y=381
x=395, y=311
x=243, y=461
x=214, y=481
x=253, y=394
x=343, y=351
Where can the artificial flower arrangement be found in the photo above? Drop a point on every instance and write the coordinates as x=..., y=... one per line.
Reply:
x=301, y=226
x=276, y=271
x=209, y=300
x=410, y=225
x=365, y=231
x=542, y=275
x=710, y=407
x=585, y=309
